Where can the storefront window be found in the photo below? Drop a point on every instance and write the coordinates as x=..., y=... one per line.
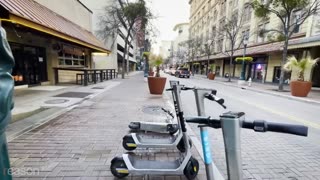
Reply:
x=67, y=59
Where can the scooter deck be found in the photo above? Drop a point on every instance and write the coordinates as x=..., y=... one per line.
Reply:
x=157, y=127
x=155, y=138
x=146, y=164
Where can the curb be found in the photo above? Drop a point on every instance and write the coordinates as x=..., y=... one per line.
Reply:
x=47, y=119
x=266, y=92
x=196, y=143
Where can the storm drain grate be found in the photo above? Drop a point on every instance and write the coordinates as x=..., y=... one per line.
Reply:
x=56, y=101
x=73, y=94
x=98, y=87
x=152, y=110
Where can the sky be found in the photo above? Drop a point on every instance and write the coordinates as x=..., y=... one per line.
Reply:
x=169, y=13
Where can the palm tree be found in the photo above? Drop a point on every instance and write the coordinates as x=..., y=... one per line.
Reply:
x=301, y=66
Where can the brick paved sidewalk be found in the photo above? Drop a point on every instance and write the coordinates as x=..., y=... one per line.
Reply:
x=81, y=143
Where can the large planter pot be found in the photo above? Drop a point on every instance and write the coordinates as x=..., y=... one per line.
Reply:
x=156, y=84
x=300, y=88
x=211, y=76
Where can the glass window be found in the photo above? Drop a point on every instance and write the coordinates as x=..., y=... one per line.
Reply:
x=68, y=62
x=66, y=59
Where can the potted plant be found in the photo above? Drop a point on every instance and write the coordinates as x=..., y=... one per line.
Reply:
x=212, y=74
x=157, y=83
x=299, y=85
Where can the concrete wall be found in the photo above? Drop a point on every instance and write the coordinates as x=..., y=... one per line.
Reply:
x=72, y=10
x=219, y=63
x=274, y=60
x=238, y=70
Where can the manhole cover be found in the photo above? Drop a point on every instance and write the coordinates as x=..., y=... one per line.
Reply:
x=97, y=88
x=56, y=101
x=73, y=94
x=152, y=110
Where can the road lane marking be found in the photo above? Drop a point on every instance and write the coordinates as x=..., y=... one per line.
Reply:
x=293, y=118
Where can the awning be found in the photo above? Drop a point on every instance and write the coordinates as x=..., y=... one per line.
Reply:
x=305, y=42
x=33, y=15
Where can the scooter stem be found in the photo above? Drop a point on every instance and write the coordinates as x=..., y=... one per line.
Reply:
x=200, y=96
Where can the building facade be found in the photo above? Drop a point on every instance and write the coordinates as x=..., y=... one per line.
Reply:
x=115, y=59
x=207, y=18
x=178, y=44
x=42, y=39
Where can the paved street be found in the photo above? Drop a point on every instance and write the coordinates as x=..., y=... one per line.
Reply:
x=265, y=155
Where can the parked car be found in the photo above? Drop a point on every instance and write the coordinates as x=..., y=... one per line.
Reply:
x=182, y=72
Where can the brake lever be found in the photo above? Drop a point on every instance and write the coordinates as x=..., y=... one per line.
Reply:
x=168, y=112
x=220, y=101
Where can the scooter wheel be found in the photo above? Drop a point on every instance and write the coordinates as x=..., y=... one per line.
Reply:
x=181, y=147
x=128, y=143
x=192, y=169
x=118, y=167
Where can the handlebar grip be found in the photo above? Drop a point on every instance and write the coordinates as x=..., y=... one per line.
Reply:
x=182, y=89
x=186, y=88
x=198, y=119
x=263, y=126
x=207, y=121
x=299, y=130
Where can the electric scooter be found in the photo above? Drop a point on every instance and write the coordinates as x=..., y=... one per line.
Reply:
x=155, y=140
x=231, y=122
x=157, y=127
x=186, y=164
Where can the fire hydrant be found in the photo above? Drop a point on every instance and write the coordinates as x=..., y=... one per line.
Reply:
x=249, y=82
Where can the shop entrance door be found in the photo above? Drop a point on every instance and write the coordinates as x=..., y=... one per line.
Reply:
x=276, y=74
x=31, y=67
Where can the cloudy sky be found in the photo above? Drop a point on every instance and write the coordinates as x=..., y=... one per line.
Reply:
x=169, y=13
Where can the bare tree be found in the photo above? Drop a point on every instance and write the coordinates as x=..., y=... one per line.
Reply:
x=192, y=49
x=123, y=15
x=292, y=14
x=208, y=48
x=229, y=31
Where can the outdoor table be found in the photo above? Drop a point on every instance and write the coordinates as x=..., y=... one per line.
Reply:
x=104, y=74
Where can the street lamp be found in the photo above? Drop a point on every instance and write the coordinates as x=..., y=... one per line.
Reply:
x=146, y=49
x=245, y=42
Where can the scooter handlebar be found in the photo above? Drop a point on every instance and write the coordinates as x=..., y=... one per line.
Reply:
x=182, y=88
x=205, y=120
x=263, y=126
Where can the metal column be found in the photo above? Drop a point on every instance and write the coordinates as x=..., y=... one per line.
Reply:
x=231, y=134
x=200, y=95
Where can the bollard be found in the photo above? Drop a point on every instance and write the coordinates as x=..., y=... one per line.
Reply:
x=6, y=103
x=249, y=82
